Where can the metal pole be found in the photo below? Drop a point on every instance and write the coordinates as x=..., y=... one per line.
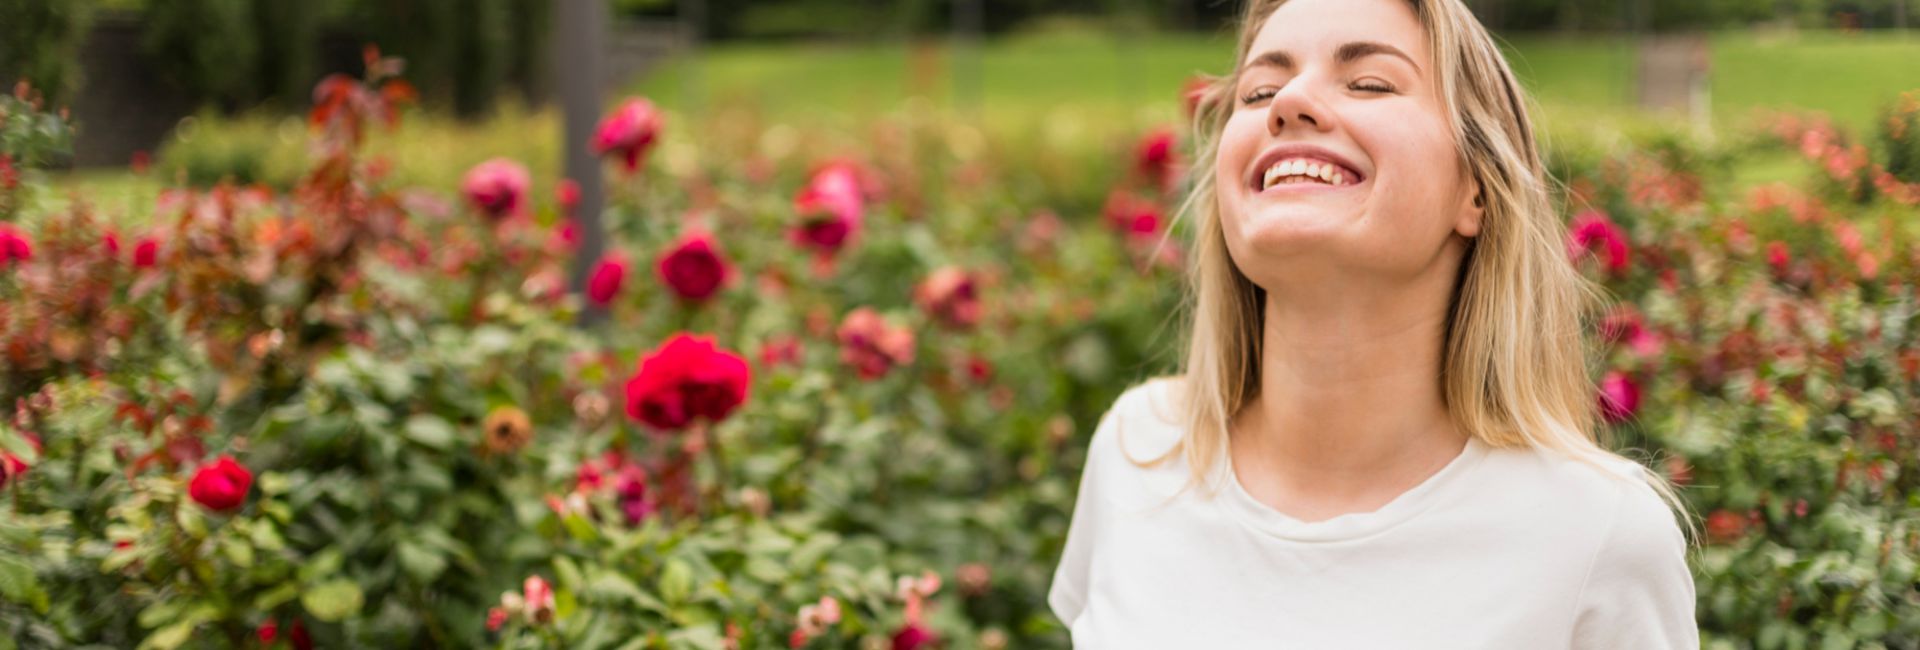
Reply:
x=579, y=48
x=693, y=30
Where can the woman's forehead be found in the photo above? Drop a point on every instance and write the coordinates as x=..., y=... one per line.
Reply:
x=1316, y=29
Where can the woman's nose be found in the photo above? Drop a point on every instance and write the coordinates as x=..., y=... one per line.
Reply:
x=1294, y=105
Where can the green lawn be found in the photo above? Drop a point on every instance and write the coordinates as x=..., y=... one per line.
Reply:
x=1062, y=89
x=1104, y=76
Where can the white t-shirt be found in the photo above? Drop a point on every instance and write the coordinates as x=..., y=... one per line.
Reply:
x=1503, y=548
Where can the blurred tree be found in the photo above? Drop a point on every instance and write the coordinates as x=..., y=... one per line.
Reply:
x=40, y=43
x=206, y=47
x=288, y=34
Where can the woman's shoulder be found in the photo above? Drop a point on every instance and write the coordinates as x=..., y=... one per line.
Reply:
x=1144, y=420
x=1609, y=499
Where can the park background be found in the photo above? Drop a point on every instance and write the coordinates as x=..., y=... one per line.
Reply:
x=305, y=341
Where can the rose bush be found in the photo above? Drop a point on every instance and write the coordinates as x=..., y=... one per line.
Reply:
x=358, y=414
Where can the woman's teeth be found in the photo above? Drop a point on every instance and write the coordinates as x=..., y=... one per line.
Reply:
x=1300, y=170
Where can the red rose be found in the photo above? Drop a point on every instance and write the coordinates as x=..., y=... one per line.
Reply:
x=1154, y=160
x=1133, y=216
x=1619, y=397
x=1593, y=229
x=497, y=187
x=948, y=295
x=298, y=636
x=629, y=131
x=12, y=467
x=1726, y=527
x=268, y=631
x=221, y=486
x=686, y=378
x=607, y=277
x=146, y=253
x=13, y=246
x=871, y=345
x=694, y=268
x=568, y=194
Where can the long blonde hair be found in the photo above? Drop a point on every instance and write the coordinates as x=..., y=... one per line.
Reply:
x=1515, y=363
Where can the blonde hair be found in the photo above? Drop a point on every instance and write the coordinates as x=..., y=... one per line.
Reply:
x=1514, y=368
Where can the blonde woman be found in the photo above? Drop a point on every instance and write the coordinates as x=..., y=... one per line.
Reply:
x=1384, y=434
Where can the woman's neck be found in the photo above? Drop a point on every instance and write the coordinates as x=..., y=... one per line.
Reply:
x=1350, y=407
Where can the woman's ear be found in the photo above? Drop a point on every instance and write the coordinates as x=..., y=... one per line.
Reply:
x=1472, y=208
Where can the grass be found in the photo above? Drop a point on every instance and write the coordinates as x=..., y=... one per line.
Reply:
x=1067, y=88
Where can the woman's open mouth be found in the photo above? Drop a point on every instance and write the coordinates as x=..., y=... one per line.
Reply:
x=1302, y=167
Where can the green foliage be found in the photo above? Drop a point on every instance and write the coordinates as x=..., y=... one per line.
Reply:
x=40, y=44
x=356, y=338
x=209, y=48
x=1900, y=136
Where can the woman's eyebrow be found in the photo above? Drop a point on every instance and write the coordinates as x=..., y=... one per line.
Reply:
x=1346, y=53
x=1357, y=49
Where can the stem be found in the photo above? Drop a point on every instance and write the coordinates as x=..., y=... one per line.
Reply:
x=719, y=460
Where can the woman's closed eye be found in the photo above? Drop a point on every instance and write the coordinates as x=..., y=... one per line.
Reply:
x=1370, y=85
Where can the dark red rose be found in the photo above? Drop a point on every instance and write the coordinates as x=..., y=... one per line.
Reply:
x=221, y=486
x=146, y=253
x=687, y=378
x=912, y=637
x=694, y=267
x=1593, y=230
x=607, y=277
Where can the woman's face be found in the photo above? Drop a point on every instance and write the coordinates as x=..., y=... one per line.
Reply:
x=1346, y=82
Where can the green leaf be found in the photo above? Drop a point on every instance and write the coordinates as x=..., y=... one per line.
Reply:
x=169, y=637
x=278, y=596
x=322, y=565
x=430, y=430
x=18, y=583
x=237, y=551
x=333, y=601
x=422, y=563
x=676, y=581
x=272, y=483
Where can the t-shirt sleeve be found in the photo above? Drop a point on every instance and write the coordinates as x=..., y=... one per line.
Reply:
x=1068, y=595
x=1639, y=592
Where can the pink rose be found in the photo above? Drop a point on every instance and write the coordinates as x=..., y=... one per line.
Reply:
x=831, y=208
x=871, y=345
x=1619, y=397
x=949, y=296
x=497, y=187
x=628, y=132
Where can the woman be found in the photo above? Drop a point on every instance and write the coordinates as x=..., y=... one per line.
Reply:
x=1385, y=400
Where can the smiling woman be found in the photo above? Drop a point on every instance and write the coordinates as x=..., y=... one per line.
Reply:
x=1385, y=398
